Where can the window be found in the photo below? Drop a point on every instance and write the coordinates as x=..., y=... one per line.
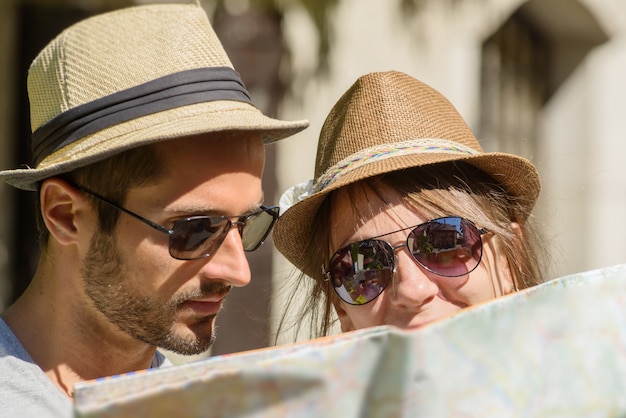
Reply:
x=513, y=87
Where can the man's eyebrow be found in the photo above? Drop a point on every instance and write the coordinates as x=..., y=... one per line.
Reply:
x=255, y=207
x=187, y=209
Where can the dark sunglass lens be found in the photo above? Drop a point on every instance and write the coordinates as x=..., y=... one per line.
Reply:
x=257, y=227
x=360, y=271
x=448, y=246
x=197, y=237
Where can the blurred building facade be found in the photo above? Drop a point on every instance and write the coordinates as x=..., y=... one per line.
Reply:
x=540, y=78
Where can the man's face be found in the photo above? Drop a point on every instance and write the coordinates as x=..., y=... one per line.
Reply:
x=131, y=277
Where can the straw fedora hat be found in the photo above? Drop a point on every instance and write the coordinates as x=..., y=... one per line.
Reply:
x=129, y=78
x=385, y=122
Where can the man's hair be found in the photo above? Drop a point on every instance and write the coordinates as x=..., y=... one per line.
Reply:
x=110, y=178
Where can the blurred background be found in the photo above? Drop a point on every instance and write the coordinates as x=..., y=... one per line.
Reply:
x=541, y=78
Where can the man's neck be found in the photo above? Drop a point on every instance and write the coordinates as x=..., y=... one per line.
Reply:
x=68, y=338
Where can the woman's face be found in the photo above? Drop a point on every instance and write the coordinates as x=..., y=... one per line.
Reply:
x=414, y=296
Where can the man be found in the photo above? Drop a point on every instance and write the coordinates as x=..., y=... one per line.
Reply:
x=148, y=158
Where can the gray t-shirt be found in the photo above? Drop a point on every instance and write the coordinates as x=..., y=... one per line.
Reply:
x=25, y=390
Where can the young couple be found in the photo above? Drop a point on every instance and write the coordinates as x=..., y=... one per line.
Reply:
x=142, y=131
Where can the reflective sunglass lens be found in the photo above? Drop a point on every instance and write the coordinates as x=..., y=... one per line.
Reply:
x=200, y=236
x=197, y=237
x=257, y=227
x=361, y=271
x=448, y=246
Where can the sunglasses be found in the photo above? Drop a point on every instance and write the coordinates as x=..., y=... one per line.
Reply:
x=448, y=247
x=200, y=236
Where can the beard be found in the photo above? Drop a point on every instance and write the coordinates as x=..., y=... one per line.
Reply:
x=144, y=318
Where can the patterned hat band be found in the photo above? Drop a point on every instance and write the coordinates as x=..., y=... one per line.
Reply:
x=385, y=151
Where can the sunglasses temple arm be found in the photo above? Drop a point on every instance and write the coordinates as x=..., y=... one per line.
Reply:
x=126, y=211
x=144, y=220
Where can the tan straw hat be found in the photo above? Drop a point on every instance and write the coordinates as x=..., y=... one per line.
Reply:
x=129, y=78
x=386, y=122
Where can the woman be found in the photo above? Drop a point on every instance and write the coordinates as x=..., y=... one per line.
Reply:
x=408, y=220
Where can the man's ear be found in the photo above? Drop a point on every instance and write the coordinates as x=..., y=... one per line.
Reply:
x=344, y=318
x=61, y=208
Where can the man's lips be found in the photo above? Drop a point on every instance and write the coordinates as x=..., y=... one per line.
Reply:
x=209, y=305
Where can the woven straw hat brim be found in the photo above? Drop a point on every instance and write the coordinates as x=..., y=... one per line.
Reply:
x=385, y=122
x=294, y=227
x=131, y=77
x=184, y=121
